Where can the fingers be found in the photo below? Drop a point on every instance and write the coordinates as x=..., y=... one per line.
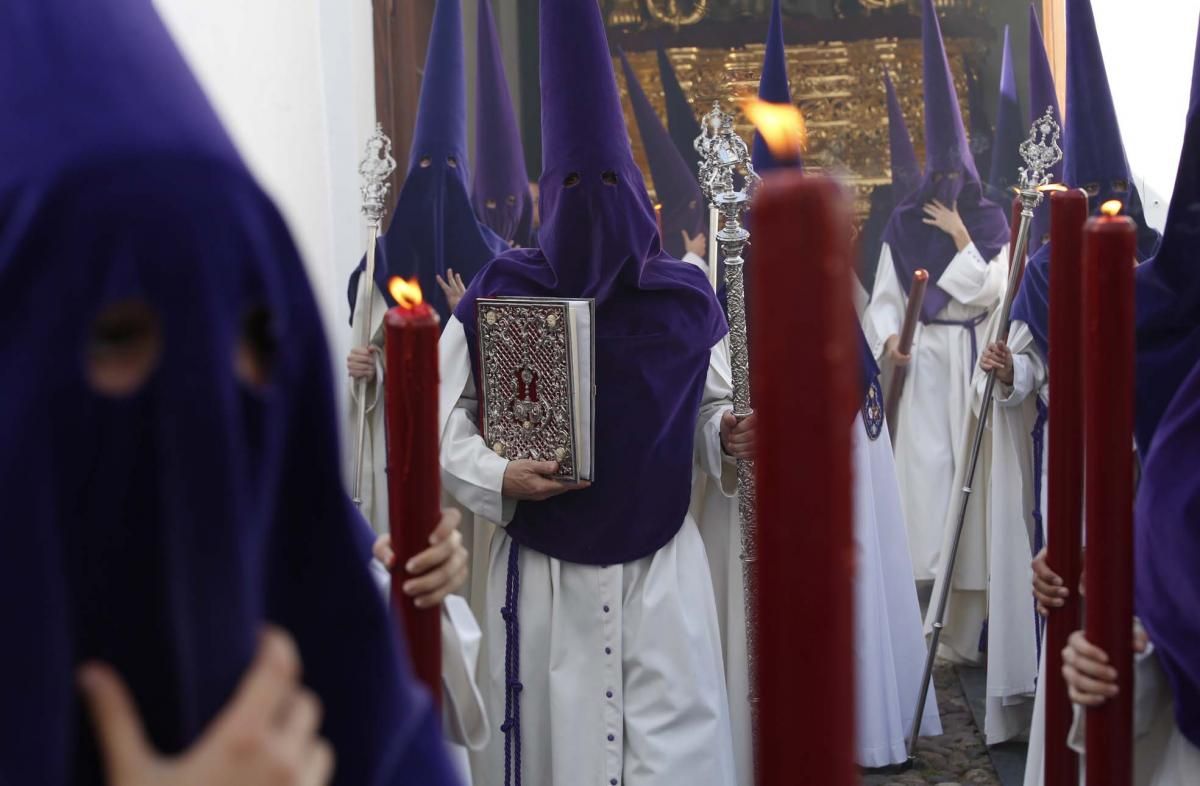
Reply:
x=746, y=425
x=541, y=467
x=432, y=588
x=1086, y=690
x=458, y=282
x=444, y=285
x=1047, y=585
x=383, y=551
x=270, y=681
x=1089, y=651
x=448, y=524
x=429, y=559
x=687, y=239
x=318, y=764
x=300, y=721
x=118, y=727
x=546, y=488
x=1141, y=642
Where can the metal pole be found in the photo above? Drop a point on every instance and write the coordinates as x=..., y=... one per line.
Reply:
x=1040, y=152
x=377, y=166
x=724, y=154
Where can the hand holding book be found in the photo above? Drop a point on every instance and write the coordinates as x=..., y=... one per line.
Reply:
x=534, y=481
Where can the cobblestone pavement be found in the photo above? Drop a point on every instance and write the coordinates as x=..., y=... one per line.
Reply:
x=956, y=758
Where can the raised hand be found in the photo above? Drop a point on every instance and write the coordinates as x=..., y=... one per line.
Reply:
x=266, y=734
x=949, y=221
x=452, y=287
x=697, y=245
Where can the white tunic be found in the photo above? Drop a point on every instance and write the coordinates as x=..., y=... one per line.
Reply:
x=936, y=401
x=620, y=665
x=374, y=490
x=889, y=646
x=1013, y=625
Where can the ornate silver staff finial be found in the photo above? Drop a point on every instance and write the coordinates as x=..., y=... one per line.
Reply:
x=1040, y=152
x=723, y=154
x=376, y=168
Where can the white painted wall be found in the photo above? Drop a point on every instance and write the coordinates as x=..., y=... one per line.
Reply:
x=293, y=81
x=1148, y=48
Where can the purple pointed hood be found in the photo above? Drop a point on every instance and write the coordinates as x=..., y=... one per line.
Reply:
x=656, y=317
x=773, y=86
x=681, y=119
x=906, y=176
x=1043, y=95
x=158, y=530
x=950, y=177
x=500, y=190
x=434, y=226
x=1168, y=288
x=683, y=205
x=1167, y=551
x=906, y=169
x=1011, y=130
x=1093, y=159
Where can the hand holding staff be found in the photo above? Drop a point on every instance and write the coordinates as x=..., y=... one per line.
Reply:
x=916, y=299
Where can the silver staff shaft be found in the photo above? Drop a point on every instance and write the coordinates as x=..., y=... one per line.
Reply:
x=733, y=239
x=1029, y=200
x=376, y=167
x=366, y=301
x=723, y=154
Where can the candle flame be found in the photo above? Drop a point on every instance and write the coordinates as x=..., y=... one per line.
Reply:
x=406, y=293
x=781, y=125
x=1111, y=208
x=1053, y=187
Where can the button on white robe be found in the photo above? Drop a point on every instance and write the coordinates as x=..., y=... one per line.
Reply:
x=621, y=665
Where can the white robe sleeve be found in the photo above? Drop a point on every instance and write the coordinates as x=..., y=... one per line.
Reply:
x=373, y=390
x=884, y=315
x=971, y=280
x=717, y=400
x=471, y=472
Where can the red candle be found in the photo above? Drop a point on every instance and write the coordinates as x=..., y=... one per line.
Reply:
x=805, y=657
x=1108, y=247
x=1064, y=505
x=414, y=475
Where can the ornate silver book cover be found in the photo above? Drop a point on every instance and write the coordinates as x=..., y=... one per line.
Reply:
x=536, y=356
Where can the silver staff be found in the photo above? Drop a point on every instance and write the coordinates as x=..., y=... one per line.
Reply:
x=1040, y=152
x=376, y=168
x=724, y=155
